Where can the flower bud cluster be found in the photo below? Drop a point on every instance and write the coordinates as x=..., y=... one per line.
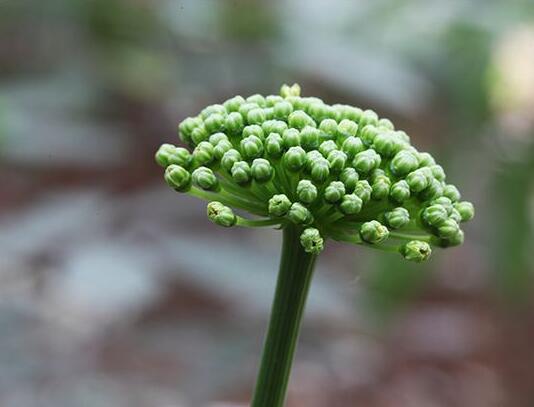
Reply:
x=337, y=171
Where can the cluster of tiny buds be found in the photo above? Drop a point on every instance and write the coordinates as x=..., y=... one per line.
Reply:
x=337, y=171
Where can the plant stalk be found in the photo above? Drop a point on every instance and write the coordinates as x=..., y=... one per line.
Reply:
x=294, y=278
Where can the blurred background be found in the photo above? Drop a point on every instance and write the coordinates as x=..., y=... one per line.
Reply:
x=115, y=291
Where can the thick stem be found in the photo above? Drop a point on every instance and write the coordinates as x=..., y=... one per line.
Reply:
x=294, y=277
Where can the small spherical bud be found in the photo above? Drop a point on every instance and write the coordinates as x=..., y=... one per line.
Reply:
x=294, y=159
x=311, y=241
x=385, y=124
x=204, y=153
x=346, y=128
x=309, y=138
x=168, y=154
x=178, y=178
x=435, y=215
x=455, y=215
x=247, y=107
x=311, y=157
x=274, y=145
x=279, y=205
x=214, y=123
x=230, y=158
x=380, y=187
x=404, y=162
x=328, y=128
x=334, y=192
x=234, y=123
x=416, y=250
x=291, y=138
x=272, y=100
x=456, y=240
x=215, y=138
x=187, y=126
x=327, y=146
x=363, y=190
x=388, y=143
x=445, y=202
x=212, y=109
x=320, y=170
x=258, y=99
x=241, y=172
x=465, y=209
x=366, y=161
x=256, y=116
x=347, y=112
x=373, y=232
x=293, y=90
x=318, y=111
x=221, y=215
x=282, y=110
x=448, y=229
x=251, y=147
x=397, y=218
x=306, y=191
x=349, y=176
x=417, y=181
x=233, y=104
x=262, y=170
x=199, y=134
x=350, y=204
x=299, y=214
x=253, y=130
x=274, y=126
x=425, y=160
x=438, y=172
x=337, y=160
x=368, y=117
x=205, y=179
x=433, y=191
x=300, y=119
x=352, y=146
x=400, y=191
x=451, y=192
x=221, y=148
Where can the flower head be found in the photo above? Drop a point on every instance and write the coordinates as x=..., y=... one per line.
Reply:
x=336, y=171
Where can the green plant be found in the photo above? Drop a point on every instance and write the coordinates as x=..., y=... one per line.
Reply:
x=316, y=171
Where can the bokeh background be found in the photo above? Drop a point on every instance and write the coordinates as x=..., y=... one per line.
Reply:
x=116, y=291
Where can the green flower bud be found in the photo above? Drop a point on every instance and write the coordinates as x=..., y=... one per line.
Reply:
x=221, y=215
x=274, y=126
x=214, y=139
x=425, y=160
x=282, y=110
x=279, y=205
x=347, y=112
x=203, y=153
x=448, y=229
x=199, y=134
x=272, y=100
x=465, y=209
x=380, y=188
x=366, y=161
x=320, y=170
x=337, y=160
x=251, y=147
x=437, y=172
x=433, y=191
x=352, y=146
x=349, y=176
x=293, y=90
x=456, y=240
x=178, y=178
x=312, y=241
x=205, y=179
x=445, y=202
x=299, y=214
x=247, y=107
x=319, y=111
x=417, y=181
x=221, y=148
x=373, y=232
x=388, y=143
x=274, y=145
x=291, y=138
x=241, y=172
x=230, y=158
x=234, y=123
x=187, y=126
x=350, y=204
x=262, y=170
x=328, y=128
x=327, y=146
x=168, y=154
x=455, y=215
x=258, y=99
x=416, y=250
x=397, y=218
x=256, y=116
x=311, y=157
x=363, y=190
x=385, y=124
x=451, y=192
x=233, y=104
x=269, y=113
x=334, y=192
x=400, y=191
x=306, y=191
x=346, y=128
x=253, y=130
x=300, y=119
x=294, y=159
x=404, y=162
x=435, y=215
x=369, y=133
x=214, y=122
x=309, y=138
x=212, y=109
x=368, y=117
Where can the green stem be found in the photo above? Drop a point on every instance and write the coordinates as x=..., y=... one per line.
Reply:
x=294, y=277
